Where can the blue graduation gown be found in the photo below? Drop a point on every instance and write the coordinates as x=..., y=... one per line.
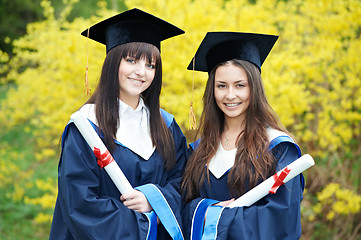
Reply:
x=276, y=216
x=88, y=205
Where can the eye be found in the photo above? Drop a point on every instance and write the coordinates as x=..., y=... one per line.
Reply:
x=151, y=66
x=240, y=85
x=221, y=85
x=130, y=60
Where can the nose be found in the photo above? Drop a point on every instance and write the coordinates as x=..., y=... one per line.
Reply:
x=230, y=94
x=140, y=68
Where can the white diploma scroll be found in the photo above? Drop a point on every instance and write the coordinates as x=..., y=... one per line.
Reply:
x=262, y=189
x=94, y=141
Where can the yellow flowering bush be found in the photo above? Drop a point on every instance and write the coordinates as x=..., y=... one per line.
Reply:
x=49, y=71
x=311, y=77
x=340, y=208
x=339, y=201
x=46, y=201
x=4, y=67
x=7, y=167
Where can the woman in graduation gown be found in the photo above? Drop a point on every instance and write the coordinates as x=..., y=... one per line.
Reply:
x=242, y=143
x=144, y=140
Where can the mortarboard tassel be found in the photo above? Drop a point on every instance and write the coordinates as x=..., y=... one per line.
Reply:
x=87, y=89
x=192, y=116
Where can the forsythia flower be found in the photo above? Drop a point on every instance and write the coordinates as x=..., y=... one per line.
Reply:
x=43, y=218
x=335, y=200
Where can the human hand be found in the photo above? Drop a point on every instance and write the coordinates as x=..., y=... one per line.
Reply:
x=225, y=203
x=136, y=201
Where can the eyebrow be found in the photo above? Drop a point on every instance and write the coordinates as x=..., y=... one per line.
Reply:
x=238, y=81
x=152, y=61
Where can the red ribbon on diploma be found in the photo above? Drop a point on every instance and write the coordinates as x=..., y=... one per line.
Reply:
x=279, y=180
x=103, y=159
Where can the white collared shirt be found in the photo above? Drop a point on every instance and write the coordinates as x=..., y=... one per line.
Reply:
x=133, y=130
x=224, y=160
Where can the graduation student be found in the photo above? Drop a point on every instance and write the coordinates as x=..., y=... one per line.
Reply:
x=242, y=143
x=145, y=141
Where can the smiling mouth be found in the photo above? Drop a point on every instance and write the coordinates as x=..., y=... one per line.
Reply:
x=136, y=81
x=232, y=104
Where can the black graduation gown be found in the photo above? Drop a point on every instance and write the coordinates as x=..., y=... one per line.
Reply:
x=276, y=216
x=88, y=205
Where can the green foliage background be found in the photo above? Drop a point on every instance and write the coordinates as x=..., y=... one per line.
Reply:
x=312, y=79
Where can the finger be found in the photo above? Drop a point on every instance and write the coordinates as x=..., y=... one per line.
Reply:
x=138, y=206
x=130, y=202
x=134, y=203
x=128, y=195
x=135, y=207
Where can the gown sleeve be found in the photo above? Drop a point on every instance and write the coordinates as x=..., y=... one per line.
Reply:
x=277, y=216
x=82, y=211
x=166, y=200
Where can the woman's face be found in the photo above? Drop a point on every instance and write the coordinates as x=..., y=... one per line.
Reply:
x=232, y=91
x=135, y=76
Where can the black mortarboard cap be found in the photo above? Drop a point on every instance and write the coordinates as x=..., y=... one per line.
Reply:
x=218, y=47
x=132, y=26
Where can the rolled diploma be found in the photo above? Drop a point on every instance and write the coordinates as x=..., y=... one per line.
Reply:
x=262, y=189
x=93, y=140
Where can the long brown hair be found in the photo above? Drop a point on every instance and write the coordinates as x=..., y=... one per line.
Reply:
x=106, y=97
x=253, y=159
